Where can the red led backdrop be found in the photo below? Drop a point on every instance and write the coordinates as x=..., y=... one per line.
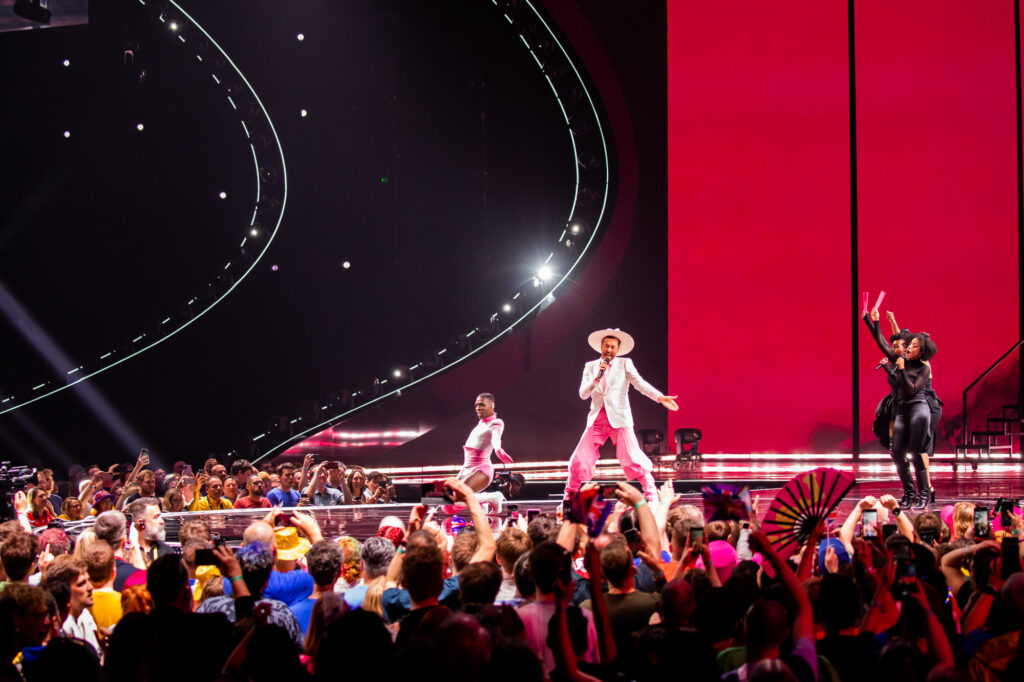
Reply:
x=760, y=238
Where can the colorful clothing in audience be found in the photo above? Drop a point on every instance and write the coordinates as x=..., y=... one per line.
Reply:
x=279, y=498
x=122, y=571
x=106, y=608
x=247, y=503
x=291, y=587
x=206, y=504
x=536, y=615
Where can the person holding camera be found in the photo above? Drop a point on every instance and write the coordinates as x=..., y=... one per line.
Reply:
x=382, y=490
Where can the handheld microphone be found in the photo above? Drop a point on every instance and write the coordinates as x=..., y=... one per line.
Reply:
x=880, y=365
x=601, y=372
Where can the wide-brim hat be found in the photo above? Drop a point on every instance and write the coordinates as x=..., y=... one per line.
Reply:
x=290, y=546
x=625, y=340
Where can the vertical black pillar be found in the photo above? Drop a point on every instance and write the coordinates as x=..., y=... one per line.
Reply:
x=854, y=267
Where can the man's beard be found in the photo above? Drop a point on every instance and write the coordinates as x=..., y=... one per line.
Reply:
x=154, y=536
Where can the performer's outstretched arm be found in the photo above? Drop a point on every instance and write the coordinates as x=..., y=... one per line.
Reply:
x=498, y=428
x=892, y=321
x=669, y=401
x=883, y=345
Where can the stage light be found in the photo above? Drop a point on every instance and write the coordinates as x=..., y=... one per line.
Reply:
x=223, y=195
x=346, y=265
x=67, y=133
x=33, y=11
x=67, y=62
x=273, y=268
x=579, y=228
x=254, y=232
x=174, y=26
x=401, y=375
x=300, y=37
x=303, y=113
x=510, y=312
x=545, y=272
x=140, y=127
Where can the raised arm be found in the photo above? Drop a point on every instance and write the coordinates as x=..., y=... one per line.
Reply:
x=486, y=546
x=142, y=461
x=803, y=623
x=850, y=524
x=648, y=526
x=605, y=637
x=939, y=650
x=346, y=492
x=871, y=320
x=892, y=322
x=307, y=462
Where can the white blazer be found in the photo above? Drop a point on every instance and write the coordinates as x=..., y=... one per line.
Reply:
x=613, y=392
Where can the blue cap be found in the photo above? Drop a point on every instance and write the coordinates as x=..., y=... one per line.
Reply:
x=837, y=545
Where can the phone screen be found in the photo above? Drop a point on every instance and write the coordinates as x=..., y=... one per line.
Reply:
x=187, y=471
x=696, y=536
x=1005, y=509
x=531, y=514
x=608, y=491
x=981, y=523
x=435, y=493
x=205, y=557
x=869, y=523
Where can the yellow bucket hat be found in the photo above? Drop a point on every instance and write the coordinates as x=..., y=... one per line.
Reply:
x=290, y=546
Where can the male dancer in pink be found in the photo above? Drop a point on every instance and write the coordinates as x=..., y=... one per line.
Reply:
x=606, y=382
x=477, y=470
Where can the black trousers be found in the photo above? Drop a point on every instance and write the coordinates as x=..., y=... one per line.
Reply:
x=910, y=434
x=935, y=408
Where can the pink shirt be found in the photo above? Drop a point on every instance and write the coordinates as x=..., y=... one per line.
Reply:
x=535, y=617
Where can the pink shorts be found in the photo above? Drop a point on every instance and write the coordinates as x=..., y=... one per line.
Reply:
x=476, y=460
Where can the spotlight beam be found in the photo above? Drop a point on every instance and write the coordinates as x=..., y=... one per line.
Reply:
x=44, y=344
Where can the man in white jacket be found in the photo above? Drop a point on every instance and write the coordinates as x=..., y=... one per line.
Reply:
x=606, y=382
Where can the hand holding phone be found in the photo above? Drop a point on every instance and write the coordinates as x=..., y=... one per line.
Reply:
x=206, y=557
x=696, y=536
x=869, y=523
x=982, y=527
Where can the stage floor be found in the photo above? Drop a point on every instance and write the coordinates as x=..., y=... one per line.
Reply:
x=543, y=492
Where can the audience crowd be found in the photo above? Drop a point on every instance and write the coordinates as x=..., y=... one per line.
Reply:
x=657, y=593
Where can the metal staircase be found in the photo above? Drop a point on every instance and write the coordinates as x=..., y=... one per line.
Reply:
x=996, y=442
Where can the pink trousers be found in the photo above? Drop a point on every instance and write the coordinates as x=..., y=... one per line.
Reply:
x=635, y=464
